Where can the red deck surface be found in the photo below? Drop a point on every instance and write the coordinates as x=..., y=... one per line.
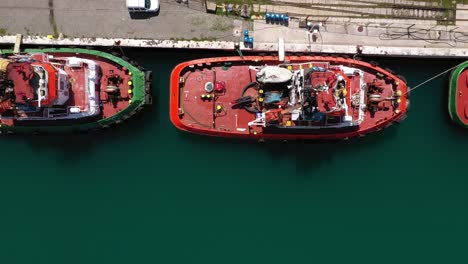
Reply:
x=21, y=74
x=231, y=122
x=107, y=68
x=462, y=97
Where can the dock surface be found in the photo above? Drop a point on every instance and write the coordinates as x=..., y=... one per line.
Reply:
x=373, y=27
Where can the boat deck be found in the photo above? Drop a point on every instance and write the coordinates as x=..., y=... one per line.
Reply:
x=108, y=69
x=77, y=87
x=216, y=116
x=201, y=112
x=22, y=76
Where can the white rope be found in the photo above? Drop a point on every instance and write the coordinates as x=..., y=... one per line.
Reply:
x=432, y=78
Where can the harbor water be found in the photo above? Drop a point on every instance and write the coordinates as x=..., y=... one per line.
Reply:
x=148, y=193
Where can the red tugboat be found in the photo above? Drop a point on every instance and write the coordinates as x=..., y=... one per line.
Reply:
x=68, y=89
x=304, y=97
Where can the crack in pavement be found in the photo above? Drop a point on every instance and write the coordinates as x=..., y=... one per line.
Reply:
x=52, y=22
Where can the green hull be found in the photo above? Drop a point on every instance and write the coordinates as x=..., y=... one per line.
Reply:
x=452, y=104
x=141, y=95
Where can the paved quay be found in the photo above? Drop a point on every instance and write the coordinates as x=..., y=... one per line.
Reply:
x=377, y=27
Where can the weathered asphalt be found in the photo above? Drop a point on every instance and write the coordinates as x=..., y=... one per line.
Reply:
x=103, y=22
x=110, y=19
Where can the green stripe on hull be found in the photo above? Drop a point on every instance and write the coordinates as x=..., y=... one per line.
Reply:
x=452, y=104
x=139, y=98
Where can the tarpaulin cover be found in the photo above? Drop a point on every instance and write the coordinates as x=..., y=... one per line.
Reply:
x=273, y=74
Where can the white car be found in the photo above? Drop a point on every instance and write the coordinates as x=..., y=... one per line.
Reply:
x=143, y=5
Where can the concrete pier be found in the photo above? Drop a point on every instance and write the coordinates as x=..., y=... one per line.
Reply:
x=406, y=28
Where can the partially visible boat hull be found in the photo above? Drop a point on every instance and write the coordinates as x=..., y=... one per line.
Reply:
x=458, y=95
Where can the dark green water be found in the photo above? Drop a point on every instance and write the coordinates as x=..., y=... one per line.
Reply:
x=147, y=193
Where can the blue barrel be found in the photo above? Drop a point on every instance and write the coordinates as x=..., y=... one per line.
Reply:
x=246, y=33
x=283, y=19
x=246, y=39
x=250, y=40
x=277, y=16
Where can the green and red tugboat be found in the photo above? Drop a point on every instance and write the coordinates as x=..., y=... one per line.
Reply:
x=68, y=89
x=458, y=95
x=304, y=97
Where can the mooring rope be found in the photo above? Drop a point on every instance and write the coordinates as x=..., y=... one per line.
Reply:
x=432, y=78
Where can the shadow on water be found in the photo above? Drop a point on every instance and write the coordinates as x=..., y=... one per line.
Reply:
x=77, y=144
x=456, y=129
x=306, y=155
